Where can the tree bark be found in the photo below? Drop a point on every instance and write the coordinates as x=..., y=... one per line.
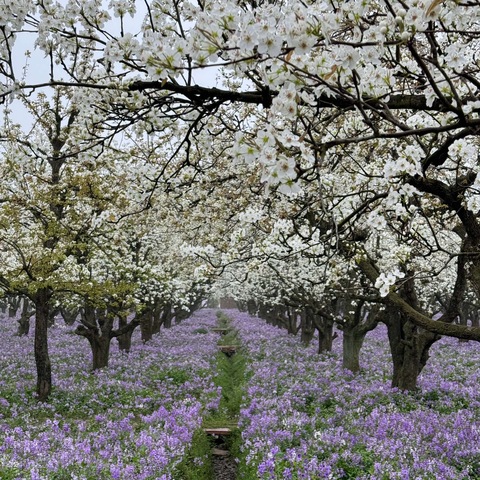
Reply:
x=13, y=305
x=124, y=340
x=166, y=316
x=324, y=327
x=307, y=327
x=352, y=344
x=409, y=348
x=156, y=318
x=100, y=351
x=96, y=327
x=24, y=320
x=42, y=359
x=252, y=308
x=146, y=324
x=355, y=327
x=69, y=315
x=440, y=327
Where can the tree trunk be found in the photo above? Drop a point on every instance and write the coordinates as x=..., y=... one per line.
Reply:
x=324, y=327
x=352, y=344
x=409, y=349
x=13, y=306
x=42, y=359
x=100, y=351
x=51, y=316
x=475, y=319
x=124, y=340
x=96, y=327
x=146, y=325
x=167, y=316
x=252, y=308
x=69, y=315
x=24, y=320
x=307, y=327
x=156, y=319
x=3, y=305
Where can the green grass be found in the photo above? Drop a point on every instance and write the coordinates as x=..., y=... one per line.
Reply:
x=196, y=463
x=231, y=377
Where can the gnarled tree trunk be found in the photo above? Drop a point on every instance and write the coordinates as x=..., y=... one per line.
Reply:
x=352, y=344
x=324, y=327
x=409, y=348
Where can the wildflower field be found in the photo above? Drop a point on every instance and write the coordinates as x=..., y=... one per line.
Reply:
x=300, y=415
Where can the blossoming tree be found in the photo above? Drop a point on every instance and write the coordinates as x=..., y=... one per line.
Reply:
x=374, y=105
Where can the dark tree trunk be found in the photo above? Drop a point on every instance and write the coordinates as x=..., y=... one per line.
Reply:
x=463, y=320
x=96, y=327
x=156, y=319
x=24, y=320
x=475, y=319
x=352, y=344
x=307, y=326
x=42, y=359
x=324, y=327
x=14, y=305
x=252, y=308
x=69, y=315
x=180, y=315
x=124, y=340
x=167, y=316
x=51, y=316
x=146, y=325
x=409, y=349
x=355, y=326
x=100, y=351
x=291, y=316
x=3, y=305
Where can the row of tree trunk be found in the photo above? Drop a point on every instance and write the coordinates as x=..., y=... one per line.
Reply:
x=409, y=344
x=98, y=325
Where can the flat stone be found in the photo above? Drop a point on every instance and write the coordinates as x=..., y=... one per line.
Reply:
x=228, y=348
x=221, y=330
x=219, y=452
x=218, y=431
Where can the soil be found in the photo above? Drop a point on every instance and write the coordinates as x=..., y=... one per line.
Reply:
x=224, y=467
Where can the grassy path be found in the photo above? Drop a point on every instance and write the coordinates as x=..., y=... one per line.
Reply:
x=216, y=446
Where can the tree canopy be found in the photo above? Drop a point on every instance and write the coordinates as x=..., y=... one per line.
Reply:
x=339, y=138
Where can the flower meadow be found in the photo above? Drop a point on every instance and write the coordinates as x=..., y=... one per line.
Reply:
x=301, y=416
x=304, y=417
x=134, y=420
